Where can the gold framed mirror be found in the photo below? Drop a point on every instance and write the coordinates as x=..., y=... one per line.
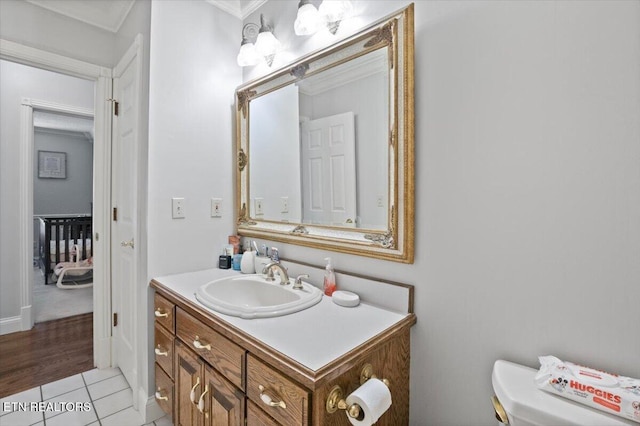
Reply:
x=325, y=147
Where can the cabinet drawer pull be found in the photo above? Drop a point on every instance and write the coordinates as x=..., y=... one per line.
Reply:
x=199, y=345
x=201, y=400
x=160, y=397
x=160, y=352
x=159, y=314
x=192, y=394
x=268, y=399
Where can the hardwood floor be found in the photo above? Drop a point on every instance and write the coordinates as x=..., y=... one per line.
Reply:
x=50, y=351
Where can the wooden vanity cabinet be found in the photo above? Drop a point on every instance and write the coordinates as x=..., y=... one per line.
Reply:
x=164, y=338
x=222, y=376
x=204, y=397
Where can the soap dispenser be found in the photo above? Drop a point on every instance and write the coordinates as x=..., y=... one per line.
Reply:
x=247, y=264
x=329, y=278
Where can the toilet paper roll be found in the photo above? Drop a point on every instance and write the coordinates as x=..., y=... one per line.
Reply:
x=374, y=398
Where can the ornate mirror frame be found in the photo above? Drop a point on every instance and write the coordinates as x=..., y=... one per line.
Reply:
x=396, y=243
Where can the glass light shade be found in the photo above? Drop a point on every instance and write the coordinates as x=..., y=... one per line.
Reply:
x=248, y=55
x=335, y=10
x=308, y=20
x=267, y=44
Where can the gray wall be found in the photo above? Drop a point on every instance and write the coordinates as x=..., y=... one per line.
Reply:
x=74, y=194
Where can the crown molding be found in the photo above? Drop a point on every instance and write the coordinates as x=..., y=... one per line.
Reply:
x=106, y=15
x=237, y=8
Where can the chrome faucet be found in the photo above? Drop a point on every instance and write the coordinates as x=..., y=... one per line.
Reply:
x=268, y=269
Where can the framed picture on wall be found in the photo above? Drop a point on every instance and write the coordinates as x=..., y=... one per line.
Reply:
x=52, y=165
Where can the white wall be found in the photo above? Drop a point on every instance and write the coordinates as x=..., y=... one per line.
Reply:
x=37, y=27
x=192, y=83
x=527, y=191
x=17, y=82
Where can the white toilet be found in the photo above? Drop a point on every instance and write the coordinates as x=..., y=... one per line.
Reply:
x=519, y=402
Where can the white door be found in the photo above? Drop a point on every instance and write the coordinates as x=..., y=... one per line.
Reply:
x=329, y=170
x=124, y=184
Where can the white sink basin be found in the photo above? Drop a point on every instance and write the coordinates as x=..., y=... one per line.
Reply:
x=251, y=296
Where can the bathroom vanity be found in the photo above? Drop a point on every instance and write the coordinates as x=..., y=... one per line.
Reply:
x=213, y=368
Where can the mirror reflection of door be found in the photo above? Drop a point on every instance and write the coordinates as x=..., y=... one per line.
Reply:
x=329, y=170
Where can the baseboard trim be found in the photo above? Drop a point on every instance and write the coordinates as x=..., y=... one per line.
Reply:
x=10, y=325
x=26, y=314
x=149, y=408
x=102, y=352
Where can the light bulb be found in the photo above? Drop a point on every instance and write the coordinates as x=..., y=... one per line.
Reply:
x=308, y=20
x=248, y=55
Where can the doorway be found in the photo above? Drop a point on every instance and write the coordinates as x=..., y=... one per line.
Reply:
x=62, y=207
x=100, y=78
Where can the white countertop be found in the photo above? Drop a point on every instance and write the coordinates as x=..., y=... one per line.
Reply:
x=313, y=337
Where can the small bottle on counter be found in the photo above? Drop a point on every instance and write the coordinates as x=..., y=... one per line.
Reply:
x=235, y=263
x=329, y=278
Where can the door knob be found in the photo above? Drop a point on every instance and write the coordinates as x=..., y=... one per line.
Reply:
x=127, y=243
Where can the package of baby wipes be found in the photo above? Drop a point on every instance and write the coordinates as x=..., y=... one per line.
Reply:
x=605, y=391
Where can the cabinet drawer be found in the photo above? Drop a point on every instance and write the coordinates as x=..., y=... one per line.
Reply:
x=264, y=385
x=164, y=391
x=164, y=313
x=163, y=349
x=224, y=355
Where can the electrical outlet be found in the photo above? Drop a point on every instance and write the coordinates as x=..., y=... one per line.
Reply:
x=380, y=201
x=216, y=207
x=284, y=204
x=259, y=206
x=177, y=208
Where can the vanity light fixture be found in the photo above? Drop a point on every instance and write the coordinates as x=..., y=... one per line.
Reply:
x=308, y=20
x=266, y=44
x=248, y=55
x=331, y=12
x=334, y=11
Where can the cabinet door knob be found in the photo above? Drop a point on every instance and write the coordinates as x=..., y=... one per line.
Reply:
x=159, y=395
x=160, y=352
x=199, y=345
x=159, y=314
x=268, y=399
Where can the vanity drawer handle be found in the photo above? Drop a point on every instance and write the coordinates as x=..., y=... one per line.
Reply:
x=160, y=352
x=267, y=399
x=192, y=394
x=199, y=345
x=160, y=397
x=160, y=314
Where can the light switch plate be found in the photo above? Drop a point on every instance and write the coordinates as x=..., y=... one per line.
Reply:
x=216, y=207
x=259, y=206
x=177, y=208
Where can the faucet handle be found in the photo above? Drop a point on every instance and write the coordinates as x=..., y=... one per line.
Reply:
x=297, y=285
x=268, y=271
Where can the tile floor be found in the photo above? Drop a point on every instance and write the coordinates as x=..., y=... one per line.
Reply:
x=96, y=397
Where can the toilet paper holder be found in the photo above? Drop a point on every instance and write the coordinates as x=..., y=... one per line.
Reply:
x=336, y=400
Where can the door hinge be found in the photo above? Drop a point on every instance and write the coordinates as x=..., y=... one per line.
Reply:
x=116, y=106
x=115, y=214
x=115, y=319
